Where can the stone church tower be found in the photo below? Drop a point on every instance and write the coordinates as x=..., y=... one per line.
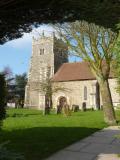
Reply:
x=47, y=52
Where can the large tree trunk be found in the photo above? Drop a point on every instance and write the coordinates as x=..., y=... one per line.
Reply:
x=109, y=114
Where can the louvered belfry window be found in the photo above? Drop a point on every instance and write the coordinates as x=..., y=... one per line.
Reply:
x=41, y=51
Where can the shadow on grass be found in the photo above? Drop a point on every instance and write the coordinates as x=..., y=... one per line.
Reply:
x=16, y=115
x=38, y=143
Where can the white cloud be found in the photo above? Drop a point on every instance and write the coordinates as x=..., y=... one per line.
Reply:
x=26, y=40
x=21, y=42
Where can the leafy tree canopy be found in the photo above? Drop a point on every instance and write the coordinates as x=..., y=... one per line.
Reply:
x=18, y=16
x=95, y=45
x=20, y=83
x=116, y=65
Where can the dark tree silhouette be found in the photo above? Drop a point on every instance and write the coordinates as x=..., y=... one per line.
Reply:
x=20, y=83
x=2, y=98
x=17, y=16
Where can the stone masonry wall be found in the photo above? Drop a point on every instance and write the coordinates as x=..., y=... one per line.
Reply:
x=46, y=53
x=75, y=93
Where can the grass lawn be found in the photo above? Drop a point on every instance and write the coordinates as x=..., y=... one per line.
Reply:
x=38, y=136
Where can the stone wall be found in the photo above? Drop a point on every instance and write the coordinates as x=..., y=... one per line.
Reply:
x=75, y=93
x=46, y=53
x=114, y=94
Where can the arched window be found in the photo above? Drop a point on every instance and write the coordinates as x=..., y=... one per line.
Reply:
x=85, y=93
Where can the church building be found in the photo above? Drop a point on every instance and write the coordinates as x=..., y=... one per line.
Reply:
x=47, y=53
x=80, y=86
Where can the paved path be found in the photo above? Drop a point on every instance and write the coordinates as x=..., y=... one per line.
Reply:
x=102, y=145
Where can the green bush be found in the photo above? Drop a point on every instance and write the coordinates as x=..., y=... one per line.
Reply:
x=8, y=155
x=2, y=98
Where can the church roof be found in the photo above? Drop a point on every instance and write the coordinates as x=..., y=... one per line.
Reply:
x=74, y=72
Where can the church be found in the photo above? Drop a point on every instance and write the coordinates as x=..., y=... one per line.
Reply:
x=81, y=87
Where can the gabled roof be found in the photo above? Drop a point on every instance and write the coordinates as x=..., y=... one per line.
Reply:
x=74, y=72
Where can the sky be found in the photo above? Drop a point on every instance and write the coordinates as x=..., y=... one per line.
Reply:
x=16, y=54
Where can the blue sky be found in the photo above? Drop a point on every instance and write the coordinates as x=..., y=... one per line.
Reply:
x=16, y=53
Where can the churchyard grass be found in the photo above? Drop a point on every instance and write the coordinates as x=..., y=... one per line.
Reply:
x=38, y=136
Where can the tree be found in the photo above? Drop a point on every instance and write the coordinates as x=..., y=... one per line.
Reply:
x=2, y=98
x=10, y=86
x=7, y=72
x=29, y=13
x=20, y=83
x=15, y=86
x=116, y=65
x=94, y=44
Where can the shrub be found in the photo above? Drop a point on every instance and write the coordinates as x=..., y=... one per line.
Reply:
x=8, y=155
x=2, y=98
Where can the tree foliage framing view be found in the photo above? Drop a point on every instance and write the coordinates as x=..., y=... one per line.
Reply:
x=95, y=45
x=19, y=16
x=2, y=98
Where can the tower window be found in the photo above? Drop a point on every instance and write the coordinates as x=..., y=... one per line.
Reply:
x=61, y=54
x=85, y=93
x=41, y=51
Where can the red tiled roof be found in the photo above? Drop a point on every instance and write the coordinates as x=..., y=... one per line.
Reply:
x=74, y=72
